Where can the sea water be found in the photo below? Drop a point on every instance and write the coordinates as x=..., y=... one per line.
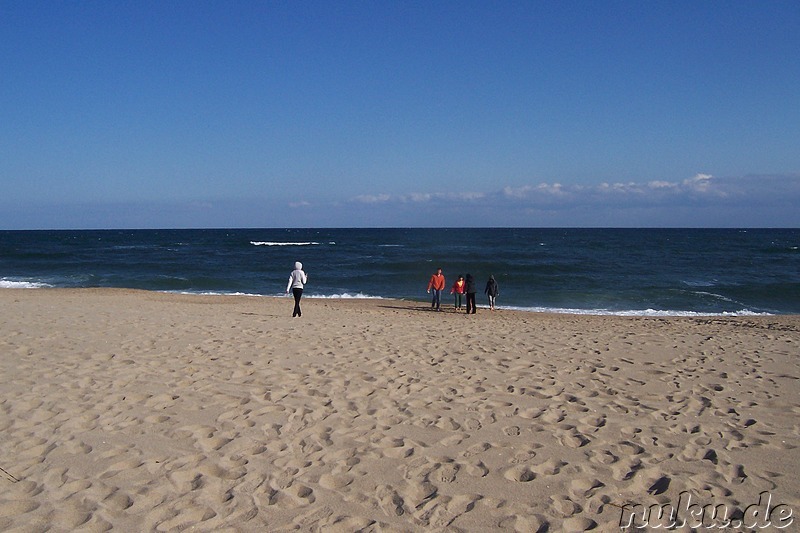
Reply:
x=597, y=271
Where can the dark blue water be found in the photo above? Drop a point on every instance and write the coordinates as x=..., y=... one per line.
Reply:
x=621, y=271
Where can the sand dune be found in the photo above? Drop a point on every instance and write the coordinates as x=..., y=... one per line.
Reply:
x=145, y=411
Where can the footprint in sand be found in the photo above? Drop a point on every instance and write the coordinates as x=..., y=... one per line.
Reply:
x=335, y=481
x=524, y=456
x=473, y=424
x=582, y=488
x=477, y=469
x=420, y=493
x=182, y=519
x=564, y=506
x=520, y=523
x=454, y=440
x=555, y=416
x=578, y=524
x=390, y=501
x=629, y=448
x=735, y=474
x=521, y=473
x=447, y=473
x=476, y=449
x=652, y=481
x=573, y=439
x=594, y=421
x=303, y=495
x=71, y=517
x=117, y=501
x=550, y=467
x=185, y=481
x=602, y=457
x=420, y=468
x=626, y=470
x=284, y=478
x=121, y=466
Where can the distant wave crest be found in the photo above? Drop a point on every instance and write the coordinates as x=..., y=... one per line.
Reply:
x=277, y=243
x=272, y=243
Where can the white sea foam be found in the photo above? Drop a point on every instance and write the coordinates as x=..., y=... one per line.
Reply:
x=717, y=296
x=273, y=243
x=699, y=283
x=6, y=283
x=212, y=293
x=632, y=312
x=556, y=310
x=345, y=296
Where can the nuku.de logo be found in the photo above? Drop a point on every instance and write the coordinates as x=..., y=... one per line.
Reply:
x=693, y=515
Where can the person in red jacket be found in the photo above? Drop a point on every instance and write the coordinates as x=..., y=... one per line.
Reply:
x=437, y=285
x=458, y=290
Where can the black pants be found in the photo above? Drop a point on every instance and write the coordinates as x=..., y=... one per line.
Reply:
x=298, y=293
x=471, y=302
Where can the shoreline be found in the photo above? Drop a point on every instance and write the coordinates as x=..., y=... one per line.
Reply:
x=656, y=313
x=148, y=410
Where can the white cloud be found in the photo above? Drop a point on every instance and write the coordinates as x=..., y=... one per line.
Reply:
x=371, y=198
x=516, y=192
x=468, y=196
x=418, y=197
x=620, y=188
x=661, y=185
x=700, y=183
x=653, y=191
x=528, y=191
x=603, y=204
x=699, y=201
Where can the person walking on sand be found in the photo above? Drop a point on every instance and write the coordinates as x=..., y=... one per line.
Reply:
x=470, y=290
x=492, y=290
x=437, y=285
x=297, y=280
x=458, y=290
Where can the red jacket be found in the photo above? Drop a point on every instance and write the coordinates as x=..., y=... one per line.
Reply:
x=436, y=282
x=458, y=287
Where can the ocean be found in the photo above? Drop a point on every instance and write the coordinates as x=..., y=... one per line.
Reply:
x=657, y=272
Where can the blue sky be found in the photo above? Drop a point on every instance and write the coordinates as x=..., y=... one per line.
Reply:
x=298, y=114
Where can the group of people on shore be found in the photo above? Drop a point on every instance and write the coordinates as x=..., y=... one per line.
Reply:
x=463, y=287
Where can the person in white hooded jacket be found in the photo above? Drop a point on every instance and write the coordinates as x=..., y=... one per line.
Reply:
x=297, y=280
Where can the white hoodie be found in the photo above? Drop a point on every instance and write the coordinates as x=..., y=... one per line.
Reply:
x=297, y=278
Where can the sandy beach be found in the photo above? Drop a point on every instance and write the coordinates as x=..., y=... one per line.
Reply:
x=143, y=411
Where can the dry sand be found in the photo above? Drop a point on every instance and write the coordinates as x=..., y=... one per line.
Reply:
x=144, y=411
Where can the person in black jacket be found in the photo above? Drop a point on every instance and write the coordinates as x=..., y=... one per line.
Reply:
x=492, y=290
x=470, y=290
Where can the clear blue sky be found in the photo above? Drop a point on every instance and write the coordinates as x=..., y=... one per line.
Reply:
x=298, y=114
